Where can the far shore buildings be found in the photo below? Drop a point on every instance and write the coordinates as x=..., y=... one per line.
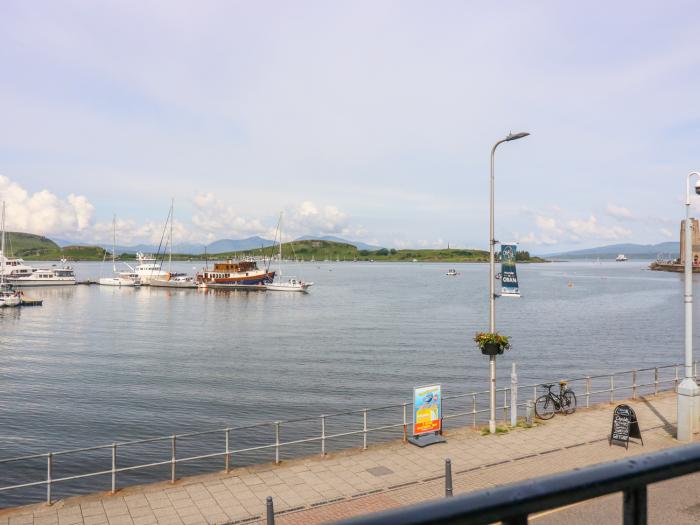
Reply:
x=696, y=242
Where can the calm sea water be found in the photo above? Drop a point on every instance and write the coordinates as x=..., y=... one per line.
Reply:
x=95, y=365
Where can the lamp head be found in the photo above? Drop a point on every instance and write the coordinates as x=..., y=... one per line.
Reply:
x=516, y=136
x=697, y=187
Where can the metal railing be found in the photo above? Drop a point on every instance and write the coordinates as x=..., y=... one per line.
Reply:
x=387, y=422
x=513, y=504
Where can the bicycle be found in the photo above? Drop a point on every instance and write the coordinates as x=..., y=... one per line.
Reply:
x=549, y=403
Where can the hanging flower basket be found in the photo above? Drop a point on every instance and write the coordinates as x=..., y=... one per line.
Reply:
x=492, y=344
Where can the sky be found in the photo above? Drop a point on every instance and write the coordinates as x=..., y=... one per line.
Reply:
x=368, y=120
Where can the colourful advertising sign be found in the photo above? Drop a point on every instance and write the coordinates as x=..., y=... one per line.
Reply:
x=427, y=409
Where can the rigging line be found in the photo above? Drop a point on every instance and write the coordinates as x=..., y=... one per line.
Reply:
x=269, y=262
x=165, y=227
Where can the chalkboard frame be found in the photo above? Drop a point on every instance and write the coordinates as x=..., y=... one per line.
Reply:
x=632, y=429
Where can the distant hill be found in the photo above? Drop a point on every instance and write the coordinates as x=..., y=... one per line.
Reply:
x=28, y=245
x=35, y=247
x=331, y=238
x=321, y=250
x=638, y=251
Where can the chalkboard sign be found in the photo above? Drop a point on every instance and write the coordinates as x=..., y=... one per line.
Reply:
x=624, y=426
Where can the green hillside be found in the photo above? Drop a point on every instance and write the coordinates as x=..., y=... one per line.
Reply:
x=37, y=248
x=328, y=250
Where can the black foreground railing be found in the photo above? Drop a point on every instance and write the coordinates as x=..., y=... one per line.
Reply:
x=512, y=504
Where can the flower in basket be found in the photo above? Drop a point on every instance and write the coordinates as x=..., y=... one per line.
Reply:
x=490, y=339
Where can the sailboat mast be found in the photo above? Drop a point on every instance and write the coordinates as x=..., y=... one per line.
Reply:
x=114, y=242
x=280, y=245
x=170, y=262
x=2, y=268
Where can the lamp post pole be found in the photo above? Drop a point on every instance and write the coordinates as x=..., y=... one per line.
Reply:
x=688, y=392
x=492, y=283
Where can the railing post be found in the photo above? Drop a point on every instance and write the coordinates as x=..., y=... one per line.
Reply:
x=695, y=370
x=405, y=425
x=675, y=380
x=529, y=412
x=448, y=478
x=49, y=472
x=277, y=442
x=588, y=391
x=173, y=459
x=114, y=468
x=227, y=457
x=474, y=410
x=364, y=429
x=505, y=405
x=612, y=389
x=656, y=380
x=323, y=436
x=634, y=384
x=513, y=398
x=269, y=511
x=634, y=506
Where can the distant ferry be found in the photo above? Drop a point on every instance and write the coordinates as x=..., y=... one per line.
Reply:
x=621, y=258
x=240, y=272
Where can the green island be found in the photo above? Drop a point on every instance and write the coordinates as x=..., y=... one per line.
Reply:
x=37, y=248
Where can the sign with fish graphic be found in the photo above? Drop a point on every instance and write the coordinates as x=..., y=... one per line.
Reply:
x=427, y=409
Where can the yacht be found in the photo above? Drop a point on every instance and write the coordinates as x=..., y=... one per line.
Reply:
x=8, y=297
x=14, y=267
x=171, y=279
x=621, y=258
x=292, y=284
x=451, y=271
x=45, y=277
x=148, y=269
x=119, y=278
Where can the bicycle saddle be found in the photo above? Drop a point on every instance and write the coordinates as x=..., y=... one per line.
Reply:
x=550, y=385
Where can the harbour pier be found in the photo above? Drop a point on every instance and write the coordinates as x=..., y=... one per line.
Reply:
x=354, y=482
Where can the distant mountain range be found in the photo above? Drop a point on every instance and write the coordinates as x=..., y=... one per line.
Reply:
x=634, y=251
x=220, y=246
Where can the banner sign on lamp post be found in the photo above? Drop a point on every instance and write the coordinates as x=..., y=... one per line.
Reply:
x=427, y=409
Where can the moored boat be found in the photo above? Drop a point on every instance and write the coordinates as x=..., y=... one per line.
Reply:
x=245, y=272
x=621, y=258
x=8, y=297
x=174, y=280
x=290, y=285
x=45, y=277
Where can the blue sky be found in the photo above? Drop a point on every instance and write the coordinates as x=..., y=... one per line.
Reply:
x=370, y=120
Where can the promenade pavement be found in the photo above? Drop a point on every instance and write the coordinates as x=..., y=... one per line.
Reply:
x=320, y=490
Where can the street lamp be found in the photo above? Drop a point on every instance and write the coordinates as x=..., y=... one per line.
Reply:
x=688, y=392
x=492, y=292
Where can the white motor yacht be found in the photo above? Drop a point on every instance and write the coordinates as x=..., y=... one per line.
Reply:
x=621, y=258
x=45, y=277
x=148, y=269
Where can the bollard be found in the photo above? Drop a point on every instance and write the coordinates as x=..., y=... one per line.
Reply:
x=513, y=398
x=529, y=409
x=270, y=511
x=448, y=478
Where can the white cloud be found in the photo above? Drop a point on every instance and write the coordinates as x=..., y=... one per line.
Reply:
x=591, y=229
x=216, y=217
x=43, y=212
x=667, y=233
x=619, y=212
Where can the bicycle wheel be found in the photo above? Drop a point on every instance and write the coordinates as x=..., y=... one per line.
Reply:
x=544, y=407
x=568, y=405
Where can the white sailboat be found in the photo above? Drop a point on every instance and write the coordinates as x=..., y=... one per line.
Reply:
x=119, y=278
x=170, y=279
x=8, y=297
x=292, y=284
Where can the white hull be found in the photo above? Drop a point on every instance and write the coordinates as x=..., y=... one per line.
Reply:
x=291, y=286
x=158, y=283
x=24, y=283
x=118, y=281
x=9, y=300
